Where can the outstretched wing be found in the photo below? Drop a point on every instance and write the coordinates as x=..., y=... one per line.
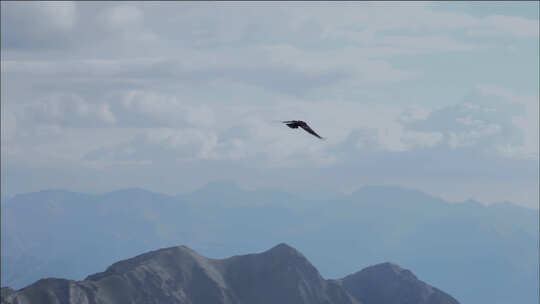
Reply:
x=293, y=124
x=309, y=130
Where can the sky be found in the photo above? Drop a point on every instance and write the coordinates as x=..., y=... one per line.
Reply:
x=168, y=96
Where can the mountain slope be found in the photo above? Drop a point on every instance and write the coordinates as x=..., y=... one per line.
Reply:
x=180, y=275
x=390, y=284
x=475, y=252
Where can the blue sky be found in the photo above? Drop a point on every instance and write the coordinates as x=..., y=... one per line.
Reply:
x=440, y=97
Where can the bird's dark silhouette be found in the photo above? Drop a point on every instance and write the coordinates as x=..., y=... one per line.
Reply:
x=294, y=124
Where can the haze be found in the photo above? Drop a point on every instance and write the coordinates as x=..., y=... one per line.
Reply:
x=439, y=97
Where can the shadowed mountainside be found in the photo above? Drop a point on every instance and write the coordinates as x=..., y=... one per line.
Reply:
x=390, y=284
x=278, y=275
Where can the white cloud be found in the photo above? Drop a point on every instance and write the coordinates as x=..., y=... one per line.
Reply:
x=419, y=140
x=155, y=145
x=250, y=132
x=479, y=131
x=122, y=17
x=178, y=84
x=125, y=23
x=527, y=121
x=162, y=110
x=57, y=14
x=65, y=109
x=363, y=21
x=516, y=26
x=37, y=23
x=492, y=119
x=282, y=68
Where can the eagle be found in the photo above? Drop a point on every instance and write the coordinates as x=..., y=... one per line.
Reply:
x=294, y=124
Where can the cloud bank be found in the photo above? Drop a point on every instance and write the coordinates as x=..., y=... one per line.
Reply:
x=168, y=89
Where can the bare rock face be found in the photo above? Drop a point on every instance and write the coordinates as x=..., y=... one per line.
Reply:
x=180, y=275
x=390, y=284
x=280, y=275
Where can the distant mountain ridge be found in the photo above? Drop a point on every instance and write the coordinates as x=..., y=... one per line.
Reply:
x=179, y=275
x=475, y=252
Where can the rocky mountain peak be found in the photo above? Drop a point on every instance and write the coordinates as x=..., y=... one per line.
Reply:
x=179, y=275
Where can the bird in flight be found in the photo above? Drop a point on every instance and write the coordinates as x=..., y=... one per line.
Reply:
x=294, y=124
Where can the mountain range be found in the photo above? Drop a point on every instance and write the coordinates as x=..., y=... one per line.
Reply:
x=279, y=275
x=477, y=253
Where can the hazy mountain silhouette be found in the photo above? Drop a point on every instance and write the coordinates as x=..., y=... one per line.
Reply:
x=279, y=275
x=476, y=253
